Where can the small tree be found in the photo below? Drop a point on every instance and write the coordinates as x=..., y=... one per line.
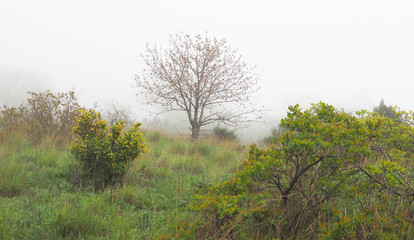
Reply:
x=385, y=110
x=115, y=112
x=200, y=76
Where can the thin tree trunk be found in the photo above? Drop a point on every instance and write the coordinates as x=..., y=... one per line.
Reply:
x=195, y=133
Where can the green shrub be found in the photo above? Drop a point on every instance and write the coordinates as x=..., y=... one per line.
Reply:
x=330, y=175
x=321, y=158
x=223, y=133
x=105, y=155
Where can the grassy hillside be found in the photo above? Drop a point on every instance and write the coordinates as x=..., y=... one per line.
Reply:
x=329, y=175
x=42, y=196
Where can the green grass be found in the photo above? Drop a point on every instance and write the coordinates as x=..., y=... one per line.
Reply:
x=43, y=197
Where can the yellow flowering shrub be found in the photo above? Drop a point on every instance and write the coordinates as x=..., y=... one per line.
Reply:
x=105, y=153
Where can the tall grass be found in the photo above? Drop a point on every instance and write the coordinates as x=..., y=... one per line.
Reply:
x=41, y=196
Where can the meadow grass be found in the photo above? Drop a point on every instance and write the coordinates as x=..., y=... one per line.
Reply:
x=43, y=197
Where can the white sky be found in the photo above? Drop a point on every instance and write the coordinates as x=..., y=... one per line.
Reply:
x=347, y=53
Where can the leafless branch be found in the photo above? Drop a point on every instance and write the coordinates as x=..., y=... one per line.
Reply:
x=200, y=76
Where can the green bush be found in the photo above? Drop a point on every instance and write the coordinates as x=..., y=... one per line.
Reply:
x=105, y=155
x=223, y=133
x=325, y=158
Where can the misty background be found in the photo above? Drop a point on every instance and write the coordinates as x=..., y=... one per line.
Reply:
x=350, y=54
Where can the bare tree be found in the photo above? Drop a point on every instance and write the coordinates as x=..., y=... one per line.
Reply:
x=201, y=76
x=114, y=112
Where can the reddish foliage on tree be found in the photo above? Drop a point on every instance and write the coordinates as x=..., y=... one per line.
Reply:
x=200, y=76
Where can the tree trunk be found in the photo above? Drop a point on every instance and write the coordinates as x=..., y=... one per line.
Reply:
x=195, y=133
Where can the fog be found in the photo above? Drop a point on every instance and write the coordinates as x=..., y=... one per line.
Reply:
x=350, y=54
x=15, y=84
